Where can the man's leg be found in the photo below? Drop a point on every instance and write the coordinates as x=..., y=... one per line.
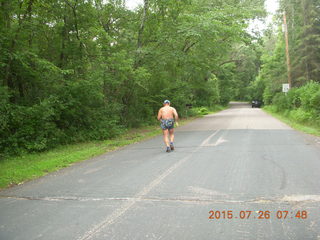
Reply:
x=165, y=137
x=171, y=133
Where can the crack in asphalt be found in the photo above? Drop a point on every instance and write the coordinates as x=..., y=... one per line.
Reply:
x=261, y=200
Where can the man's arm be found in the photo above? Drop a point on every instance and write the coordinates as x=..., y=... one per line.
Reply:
x=176, y=116
x=159, y=115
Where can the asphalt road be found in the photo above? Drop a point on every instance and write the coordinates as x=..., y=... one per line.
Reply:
x=239, y=163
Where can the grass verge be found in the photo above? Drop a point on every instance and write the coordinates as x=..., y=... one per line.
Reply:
x=201, y=111
x=306, y=128
x=16, y=170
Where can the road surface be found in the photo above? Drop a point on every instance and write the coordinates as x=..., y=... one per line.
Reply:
x=239, y=163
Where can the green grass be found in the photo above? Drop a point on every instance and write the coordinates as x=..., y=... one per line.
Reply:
x=201, y=111
x=16, y=170
x=305, y=127
x=217, y=108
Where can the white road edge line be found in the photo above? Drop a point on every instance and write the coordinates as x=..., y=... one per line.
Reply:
x=126, y=206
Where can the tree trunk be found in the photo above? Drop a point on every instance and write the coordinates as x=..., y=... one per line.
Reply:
x=64, y=34
x=29, y=13
x=143, y=20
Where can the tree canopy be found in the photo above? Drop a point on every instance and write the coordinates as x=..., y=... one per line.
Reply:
x=76, y=70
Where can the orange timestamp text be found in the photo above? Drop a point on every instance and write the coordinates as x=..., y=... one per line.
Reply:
x=260, y=214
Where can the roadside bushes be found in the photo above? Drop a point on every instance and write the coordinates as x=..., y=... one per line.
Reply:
x=280, y=102
x=300, y=104
x=31, y=128
x=201, y=111
x=57, y=119
x=198, y=111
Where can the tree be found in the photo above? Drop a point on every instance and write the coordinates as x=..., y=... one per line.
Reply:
x=76, y=70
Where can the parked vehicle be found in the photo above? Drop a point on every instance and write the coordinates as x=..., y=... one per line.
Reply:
x=256, y=104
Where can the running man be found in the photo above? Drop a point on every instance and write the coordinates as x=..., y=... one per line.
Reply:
x=168, y=116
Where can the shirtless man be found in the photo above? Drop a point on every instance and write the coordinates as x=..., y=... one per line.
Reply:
x=167, y=116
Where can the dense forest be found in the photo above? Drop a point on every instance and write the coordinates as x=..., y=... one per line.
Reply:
x=302, y=103
x=76, y=70
x=79, y=70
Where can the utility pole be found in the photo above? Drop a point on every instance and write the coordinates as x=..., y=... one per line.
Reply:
x=287, y=48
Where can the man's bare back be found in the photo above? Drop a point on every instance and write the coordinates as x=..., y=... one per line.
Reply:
x=167, y=112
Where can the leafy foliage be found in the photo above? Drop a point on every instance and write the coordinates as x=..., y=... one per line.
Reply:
x=75, y=70
x=302, y=102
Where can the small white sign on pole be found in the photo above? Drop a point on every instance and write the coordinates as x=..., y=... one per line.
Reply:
x=285, y=87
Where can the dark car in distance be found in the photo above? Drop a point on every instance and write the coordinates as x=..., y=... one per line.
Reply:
x=256, y=104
